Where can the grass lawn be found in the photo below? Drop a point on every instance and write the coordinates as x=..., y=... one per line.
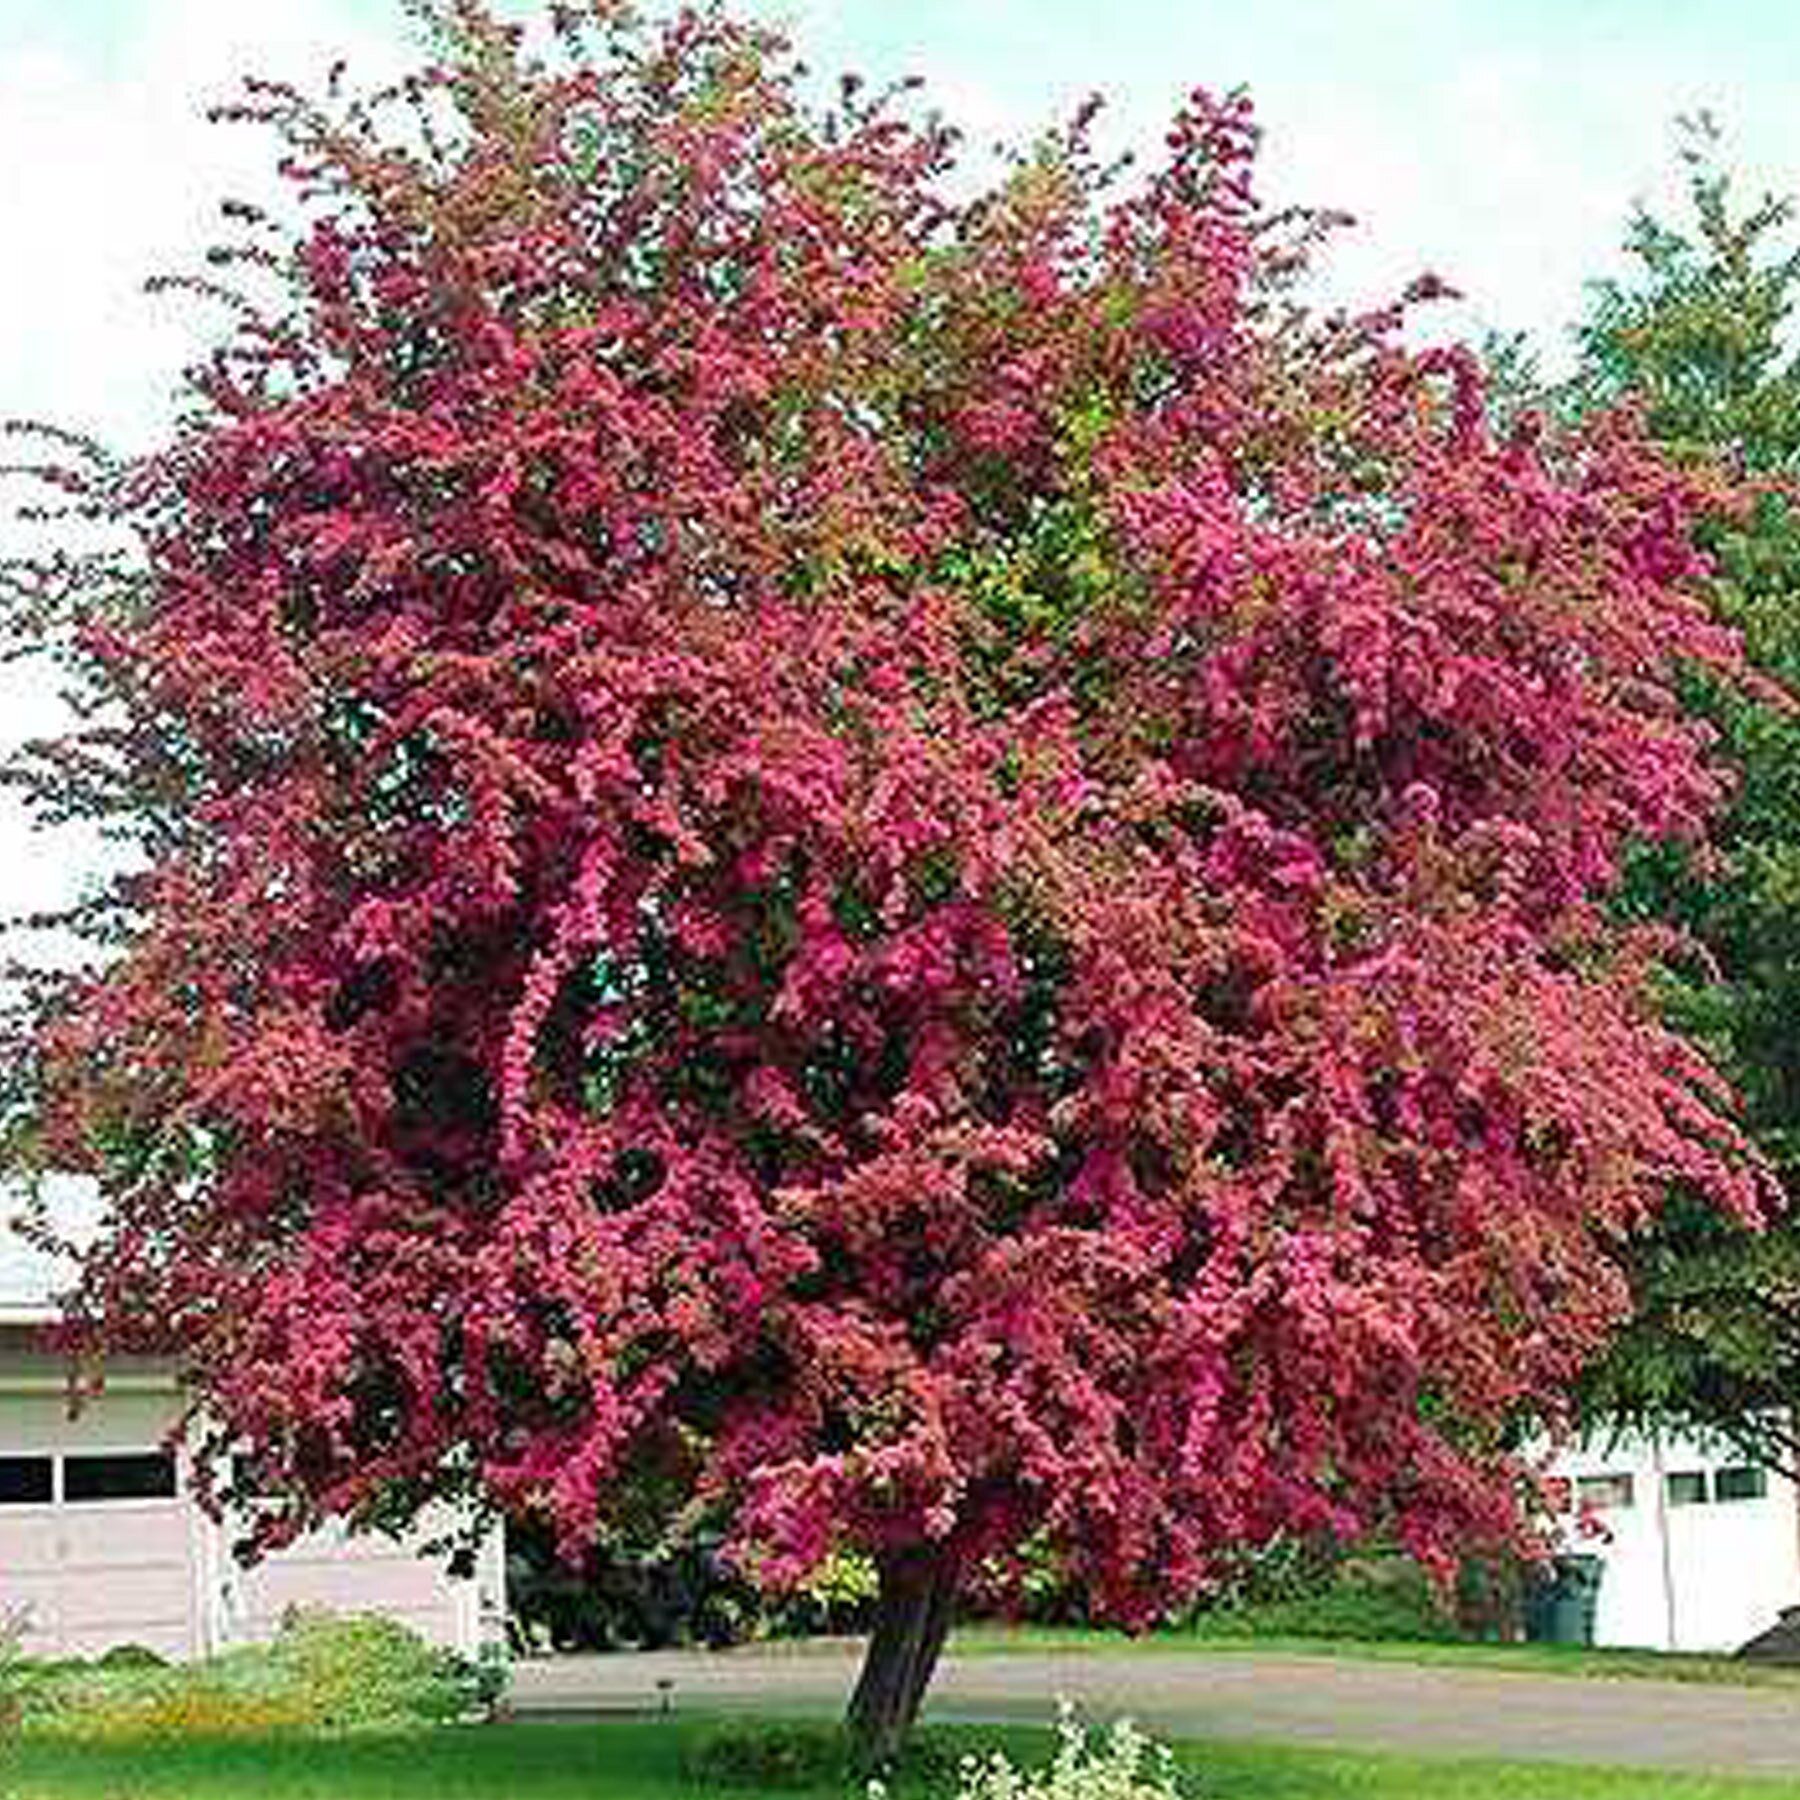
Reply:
x=642, y=1760
x=1527, y=1659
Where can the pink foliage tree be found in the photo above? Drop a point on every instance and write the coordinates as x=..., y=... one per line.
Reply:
x=895, y=873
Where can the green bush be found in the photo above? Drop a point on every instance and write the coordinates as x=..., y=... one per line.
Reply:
x=323, y=1672
x=778, y=1756
x=12, y=1672
x=361, y=1669
x=837, y=1597
x=1034, y=1583
x=1121, y=1765
x=131, y=1656
x=1287, y=1568
x=624, y=1595
x=1375, y=1598
x=178, y=1707
x=793, y=1757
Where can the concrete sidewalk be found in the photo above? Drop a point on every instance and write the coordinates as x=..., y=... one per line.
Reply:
x=1292, y=1699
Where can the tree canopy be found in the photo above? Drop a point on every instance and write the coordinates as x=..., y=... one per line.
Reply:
x=1698, y=336
x=886, y=870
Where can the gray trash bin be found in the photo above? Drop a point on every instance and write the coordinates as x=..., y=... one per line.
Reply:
x=1559, y=1606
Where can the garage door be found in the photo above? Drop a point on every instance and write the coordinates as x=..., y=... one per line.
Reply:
x=346, y=1572
x=97, y=1547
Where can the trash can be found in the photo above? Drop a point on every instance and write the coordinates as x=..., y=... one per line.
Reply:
x=1560, y=1602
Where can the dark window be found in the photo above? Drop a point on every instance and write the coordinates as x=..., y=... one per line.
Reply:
x=24, y=1481
x=1604, y=1490
x=1687, y=1487
x=1740, y=1484
x=135, y=1475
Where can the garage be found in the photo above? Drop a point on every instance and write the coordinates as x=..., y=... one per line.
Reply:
x=97, y=1541
x=101, y=1543
x=97, y=1547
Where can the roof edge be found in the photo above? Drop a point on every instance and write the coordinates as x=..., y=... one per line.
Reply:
x=28, y=1312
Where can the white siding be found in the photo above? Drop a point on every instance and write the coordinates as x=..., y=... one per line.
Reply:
x=1701, y=1576
x=159, y=1572
x=344, y=1572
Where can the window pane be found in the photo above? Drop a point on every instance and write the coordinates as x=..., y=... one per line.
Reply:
x=1604, y=1490
x=1687, y=1487
x=137, y=1475
x=24, y=1481
x=1740, y=1484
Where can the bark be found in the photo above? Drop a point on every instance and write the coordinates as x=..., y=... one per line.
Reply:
x=913, y=1609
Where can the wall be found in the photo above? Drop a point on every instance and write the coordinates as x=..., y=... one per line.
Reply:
x=1683, y=1572
x=158, y=1571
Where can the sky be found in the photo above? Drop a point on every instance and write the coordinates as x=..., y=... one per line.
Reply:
x=1499, y=143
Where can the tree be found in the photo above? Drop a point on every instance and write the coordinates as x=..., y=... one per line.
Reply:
x=868, y=871
x=1699, y=338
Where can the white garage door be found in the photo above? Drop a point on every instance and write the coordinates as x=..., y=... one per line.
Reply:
x=344, y=1572
x=97, y=1547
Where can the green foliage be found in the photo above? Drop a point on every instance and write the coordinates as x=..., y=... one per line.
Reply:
x=1287, y=1570
x=650, y=1599
x=1034, y=1584
x=1699, y=336
x=323, y=1673
x=169, y=1707
x=131, y=1656
x=1293, y=1587
x=779, y=1756
x=762, y=1756
x=367, y=1670
x=838, y=1596
x=1378, y=1599
x=12, y=1681
x=1122, y=1765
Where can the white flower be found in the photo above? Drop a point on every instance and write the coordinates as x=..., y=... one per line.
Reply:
x=1124, y=1765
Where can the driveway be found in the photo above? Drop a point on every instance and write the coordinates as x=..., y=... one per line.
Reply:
x=1293, y=1699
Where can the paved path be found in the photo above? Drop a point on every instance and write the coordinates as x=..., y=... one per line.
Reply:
x=1296, y=1699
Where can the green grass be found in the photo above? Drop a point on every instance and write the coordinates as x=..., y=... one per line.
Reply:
x=1524, y=1659
x=642, y=1760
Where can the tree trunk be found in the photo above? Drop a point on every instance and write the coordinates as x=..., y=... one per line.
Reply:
x=913, y=1607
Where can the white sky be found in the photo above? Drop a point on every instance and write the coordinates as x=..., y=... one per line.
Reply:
x=1500, y=142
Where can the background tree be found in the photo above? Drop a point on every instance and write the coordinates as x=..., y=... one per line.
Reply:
x=1699, y=337
x=873, y=872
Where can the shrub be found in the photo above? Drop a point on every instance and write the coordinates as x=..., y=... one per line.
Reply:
x=322, y=1673
x=131, y=1656
x=1032, y=1582
x=184, y=1705
x=1036, y=1582
x=1376, y=1598
x=620, y=1595
x=1288, y=1568
x=1122, y=1765
x=838, y=1597
x=362, y=1670
x=12, y=1630
x=797, y=1757
x=760, y=1756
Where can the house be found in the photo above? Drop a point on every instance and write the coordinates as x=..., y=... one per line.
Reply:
x=101, y=1542
x=1701, y=1548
